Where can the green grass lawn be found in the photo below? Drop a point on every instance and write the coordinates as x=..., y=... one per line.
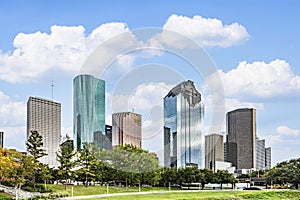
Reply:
x=5, y=197
x=81, y=190
x=236, y=195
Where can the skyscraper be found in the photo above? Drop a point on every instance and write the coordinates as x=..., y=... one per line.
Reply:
x=44, y=116
x=268, y=158
x=183, y=140
x=127, y=129
x=214, y=150
x=108, y=133
x=1, y=138
x=241, y=138
x=88, y=110
x=260, y=154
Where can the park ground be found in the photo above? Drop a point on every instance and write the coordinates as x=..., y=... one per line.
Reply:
x=162, y=193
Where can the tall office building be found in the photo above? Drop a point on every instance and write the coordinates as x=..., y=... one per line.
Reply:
x=1, y=139
x=183, y=140
x=44, y=116
x=127, y=129
x=260, y=154
x=225, y=151
x=268, y=158
x=214, y=150
x=241, y=138
x=108, y=133
x=88, y=110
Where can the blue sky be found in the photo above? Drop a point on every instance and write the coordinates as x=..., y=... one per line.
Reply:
x=258, y=59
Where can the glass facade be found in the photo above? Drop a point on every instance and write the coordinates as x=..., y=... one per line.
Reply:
x=89, y=110
x=183, y=140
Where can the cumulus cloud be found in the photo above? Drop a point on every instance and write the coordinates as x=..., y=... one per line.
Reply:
x=232, y=104
x=146, y=96
x=260, y=79
x=14, y=137
x=206, y=31
x=63, y=50
x=286, y=131
x=284, y=143
x=12, y=113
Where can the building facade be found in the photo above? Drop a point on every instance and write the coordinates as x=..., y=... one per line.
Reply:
x=214, y=150
x=1, y=138
x=183, y=140
x=44, y=116
x=127, y=129
x=88, y=110
x=225, y=151
x=108, y=132
x=268, y=158
x=241, y=138
x=260, y=154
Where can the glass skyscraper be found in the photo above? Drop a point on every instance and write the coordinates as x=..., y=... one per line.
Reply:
x=183, y=140
x=88, y=110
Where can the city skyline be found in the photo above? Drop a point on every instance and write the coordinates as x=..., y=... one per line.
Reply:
x=256, y=56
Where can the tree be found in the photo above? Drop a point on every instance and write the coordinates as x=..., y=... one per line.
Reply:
x=6, y=163
x=133, y=165
x=209, y=177
x=285, y=172
x=188, y=175
x=65, y=157
x=45, y=173
x=169, y=176
x=87, y=160
x=223, y=176
x=34, y=146
x=22, y=170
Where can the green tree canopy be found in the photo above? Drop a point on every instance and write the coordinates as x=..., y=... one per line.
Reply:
x=65, y=156
x=35, y=149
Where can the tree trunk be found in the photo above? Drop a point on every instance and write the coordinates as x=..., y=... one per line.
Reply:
x=221, y=185
x=66, y=182
x=86, y=180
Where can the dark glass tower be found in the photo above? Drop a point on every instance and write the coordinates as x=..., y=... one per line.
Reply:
x=88, y=110
x=183, y=140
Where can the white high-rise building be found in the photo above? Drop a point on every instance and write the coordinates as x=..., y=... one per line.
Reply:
x=44, y=116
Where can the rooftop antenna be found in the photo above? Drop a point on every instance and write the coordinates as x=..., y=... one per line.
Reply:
x=52, y=87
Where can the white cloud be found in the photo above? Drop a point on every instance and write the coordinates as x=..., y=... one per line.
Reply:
x=64, y=49
x=260, y=79
x=284, y=143
x=232, y=104
x=66, y=131
x=206, y=31
x=146, y=96
x=14, y=137
x=12, y=113
x=286, y=131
